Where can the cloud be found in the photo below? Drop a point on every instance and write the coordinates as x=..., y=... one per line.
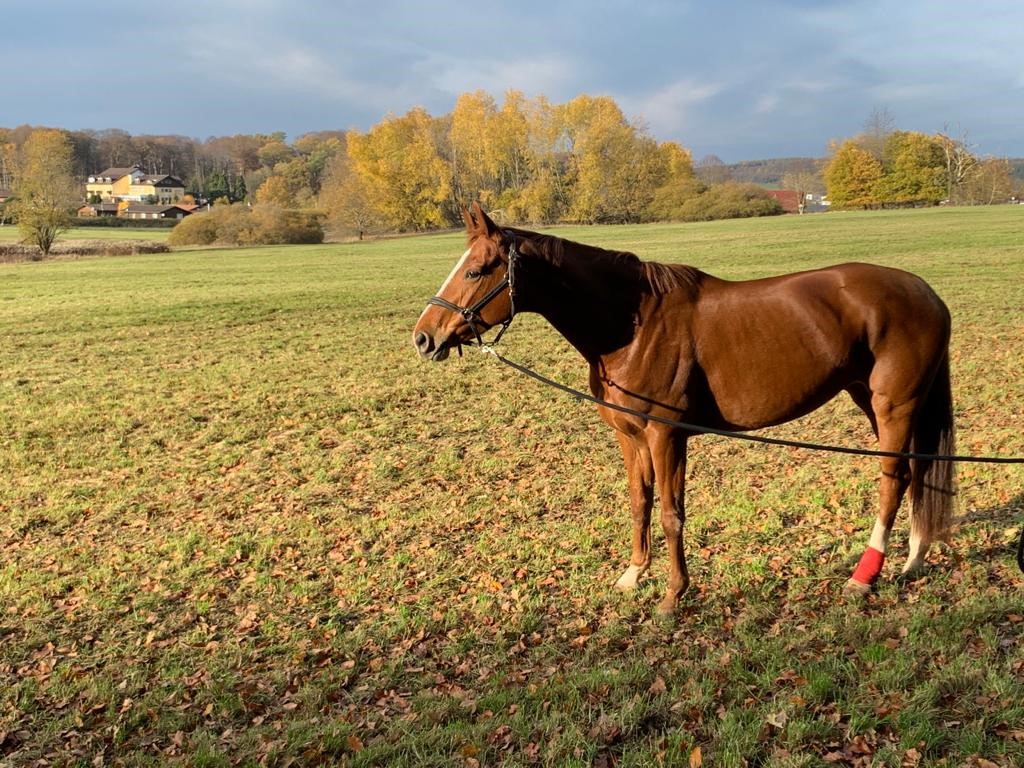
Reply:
x=546, y=74
x=670, y=110
x=740, y=80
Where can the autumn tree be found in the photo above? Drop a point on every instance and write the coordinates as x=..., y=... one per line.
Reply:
x=274, y=191
x=317, y=150
x=406, y=179
x=852, y=176
x=614, y=167
x=344, y=199
x=913, y=170
x=275, y=151
x=475, y=161
x=509, y=135
x=679, y=184
x=544, y=195
x=44, y=188
x=488, y=149
x=988, y=183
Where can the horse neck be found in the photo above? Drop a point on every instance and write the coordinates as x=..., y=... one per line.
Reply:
x=589, y=295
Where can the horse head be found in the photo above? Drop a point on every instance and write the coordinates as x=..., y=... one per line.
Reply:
x=476, y=296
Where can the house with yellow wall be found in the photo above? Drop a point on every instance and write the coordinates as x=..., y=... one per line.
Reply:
x=134, y=185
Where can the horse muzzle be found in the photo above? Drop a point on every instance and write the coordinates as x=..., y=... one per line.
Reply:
x=429, y=348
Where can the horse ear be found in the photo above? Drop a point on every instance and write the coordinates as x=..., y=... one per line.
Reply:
x=487, y=226
x=468, y=218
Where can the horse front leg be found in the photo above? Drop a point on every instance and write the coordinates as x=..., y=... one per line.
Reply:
x=640, y=472
x=669, y=455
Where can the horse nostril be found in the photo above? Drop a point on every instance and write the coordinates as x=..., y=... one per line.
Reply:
x=424, y=343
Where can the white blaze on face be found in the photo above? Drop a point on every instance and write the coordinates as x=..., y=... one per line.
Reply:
x=451, y=276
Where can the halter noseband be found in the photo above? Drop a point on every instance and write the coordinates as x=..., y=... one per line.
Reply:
x=472, y=314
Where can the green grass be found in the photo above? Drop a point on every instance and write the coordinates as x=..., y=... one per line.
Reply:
x=243, y=524
x=9, y=233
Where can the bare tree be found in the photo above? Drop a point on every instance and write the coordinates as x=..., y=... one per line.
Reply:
x=960, y=163
x=878, y=127
x=989, y=182
x=803, y=183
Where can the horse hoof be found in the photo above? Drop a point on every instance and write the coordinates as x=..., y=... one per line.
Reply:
x=667, y=608
x=856, y=590
x=628, y=580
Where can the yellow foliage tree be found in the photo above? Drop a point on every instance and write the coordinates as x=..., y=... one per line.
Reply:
x=914, y=169
x=274, y=191
x=542, y=198
x=679, y=184
x=474, y=160
x=614, y=166
x=344, y=199
x=852, y=177
x=45, y=189
x=406, y=179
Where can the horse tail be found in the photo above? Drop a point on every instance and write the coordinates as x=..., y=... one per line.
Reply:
x=933, y=483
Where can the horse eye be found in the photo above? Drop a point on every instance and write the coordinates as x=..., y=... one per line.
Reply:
x=472, y=274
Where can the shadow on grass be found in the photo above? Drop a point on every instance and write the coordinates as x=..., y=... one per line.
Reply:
x=987, y=548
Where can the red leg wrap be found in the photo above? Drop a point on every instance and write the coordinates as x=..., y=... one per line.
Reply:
x=869, y=567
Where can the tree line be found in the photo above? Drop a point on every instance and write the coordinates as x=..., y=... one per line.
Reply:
x=526, y=160
x=885, y=167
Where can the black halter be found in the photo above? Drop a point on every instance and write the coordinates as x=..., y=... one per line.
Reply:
x=472, y=314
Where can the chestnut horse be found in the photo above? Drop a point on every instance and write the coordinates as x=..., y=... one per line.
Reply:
x=674, y=342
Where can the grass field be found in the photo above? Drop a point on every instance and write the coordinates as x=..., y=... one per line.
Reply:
x=9, y=233
x=242, y=524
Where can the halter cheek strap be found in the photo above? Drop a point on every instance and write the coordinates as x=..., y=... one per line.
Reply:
x=472, y=314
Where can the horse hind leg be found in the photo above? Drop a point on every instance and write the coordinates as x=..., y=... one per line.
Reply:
x=894, y=430
x=640, y=470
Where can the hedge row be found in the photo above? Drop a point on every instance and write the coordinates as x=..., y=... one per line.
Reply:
x=19, y=252
x=114, y=222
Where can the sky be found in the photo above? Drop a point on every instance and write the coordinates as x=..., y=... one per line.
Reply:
x=742, y=80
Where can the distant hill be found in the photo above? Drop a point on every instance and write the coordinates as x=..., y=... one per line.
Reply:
x=769, y=173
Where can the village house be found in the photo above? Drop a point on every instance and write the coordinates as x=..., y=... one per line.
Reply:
x=98, y=209
x=141, y=211
x=133, y=185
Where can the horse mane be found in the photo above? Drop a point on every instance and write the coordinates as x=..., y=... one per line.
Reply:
x=665, y=278
x=656, y=277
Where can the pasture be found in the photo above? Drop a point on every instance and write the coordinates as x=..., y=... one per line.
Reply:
x=9, y=233
x=242, y=523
